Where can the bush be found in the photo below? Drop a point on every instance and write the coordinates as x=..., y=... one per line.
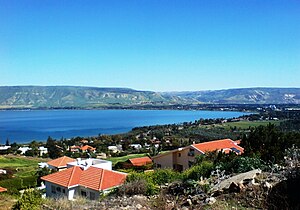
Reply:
x=163, y=176
x=12, y=185
x=242, y=164
x=15, y=184
x=29, y=181
x=147, y=185
x=196, y=172
x=136, y=187
x=30, y=200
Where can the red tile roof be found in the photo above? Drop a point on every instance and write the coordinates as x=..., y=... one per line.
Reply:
x=2, y=189
x=140, y=161
x=224, y=144
x=65, y=178
x=92, y=178
x=87, y=147
x=60, y=162
x=101, y=179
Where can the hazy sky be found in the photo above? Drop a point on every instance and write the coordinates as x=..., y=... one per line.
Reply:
x=150, y=45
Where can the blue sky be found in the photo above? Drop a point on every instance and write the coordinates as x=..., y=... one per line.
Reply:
x=151, y=45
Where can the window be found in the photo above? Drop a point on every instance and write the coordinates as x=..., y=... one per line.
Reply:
x=191, y=152
x=53, y=189
x=64, y=191
x=58, y=189
x=179, y=154
x=158, y=165
x=83, y=193
x=92, y=196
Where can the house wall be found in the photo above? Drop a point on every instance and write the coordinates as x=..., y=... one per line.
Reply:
x=164, y=161
x=182, y=158
x=72, y=193
x=50, y=187
x=88, y=192
x=178, y=160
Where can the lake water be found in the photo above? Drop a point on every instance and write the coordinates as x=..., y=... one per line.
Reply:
x=25, y=126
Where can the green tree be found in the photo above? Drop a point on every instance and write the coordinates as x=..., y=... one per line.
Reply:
x=7, y=142
x=53, y=150
x=40, y=173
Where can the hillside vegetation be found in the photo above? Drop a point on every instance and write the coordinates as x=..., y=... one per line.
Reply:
x=243, y=96
x=93, y=97
x=68, y=96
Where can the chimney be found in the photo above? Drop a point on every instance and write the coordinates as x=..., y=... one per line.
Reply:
x=78, y=161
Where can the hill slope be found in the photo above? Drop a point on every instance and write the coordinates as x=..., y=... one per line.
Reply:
x=243, y=96
x=92, y=97
x=69, y=96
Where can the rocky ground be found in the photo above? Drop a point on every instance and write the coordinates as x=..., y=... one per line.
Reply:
x=250, y=190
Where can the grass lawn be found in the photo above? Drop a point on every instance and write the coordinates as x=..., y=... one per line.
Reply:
x=25, y=166
x=246, y=124
x=114, y=160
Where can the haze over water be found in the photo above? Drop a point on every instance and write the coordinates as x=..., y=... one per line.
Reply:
x=25, y=126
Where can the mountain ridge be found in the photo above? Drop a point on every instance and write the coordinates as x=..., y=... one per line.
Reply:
x=97, y=97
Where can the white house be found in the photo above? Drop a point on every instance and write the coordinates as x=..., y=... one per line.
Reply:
x=2, y=171
x=115, y=149
x=4, y=148
x=136, y=146
x=43, y=150
x=82, y=181
x=43, y=165
x=24, y=149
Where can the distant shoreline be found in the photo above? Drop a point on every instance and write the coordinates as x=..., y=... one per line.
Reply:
x=187, y=107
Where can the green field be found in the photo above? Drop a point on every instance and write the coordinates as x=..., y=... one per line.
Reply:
x=24, y=177
x=247, y=124
x=24, y=169
x=114, y=160
x=25, y=166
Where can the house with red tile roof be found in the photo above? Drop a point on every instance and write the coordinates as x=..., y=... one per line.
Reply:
x=87, y=148
x=59, y=164
x=81, y=181
x=182, y=158
x=141, y=161
x=2, y=189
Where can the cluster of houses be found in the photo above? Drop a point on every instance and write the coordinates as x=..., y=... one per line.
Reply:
x=91, y=177
x=22, y=150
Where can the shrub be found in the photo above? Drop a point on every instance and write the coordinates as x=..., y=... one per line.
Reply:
x=135, y=187
x=147, y=185
x=196, y=172
x=30, y=200
x=136, y=176
x=241, y=164
x=163, y=176
x=29, y=181
x=13, y=185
